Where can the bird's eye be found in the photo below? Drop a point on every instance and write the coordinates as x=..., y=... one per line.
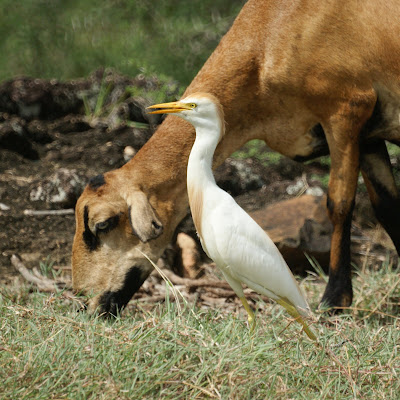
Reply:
x=192, y=105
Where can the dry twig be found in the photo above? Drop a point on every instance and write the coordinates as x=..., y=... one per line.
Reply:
x=195, y=283
x=44, y=284
x=67, y=211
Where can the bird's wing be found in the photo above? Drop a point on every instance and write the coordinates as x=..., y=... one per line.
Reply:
x=240, y=243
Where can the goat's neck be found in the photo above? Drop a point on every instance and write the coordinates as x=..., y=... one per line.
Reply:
x=164, y=158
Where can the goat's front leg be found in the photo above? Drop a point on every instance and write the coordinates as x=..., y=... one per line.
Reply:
x=340, y=203
x=342, y=133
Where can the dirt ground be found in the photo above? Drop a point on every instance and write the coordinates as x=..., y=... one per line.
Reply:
x=69, y=141
x=37, y=238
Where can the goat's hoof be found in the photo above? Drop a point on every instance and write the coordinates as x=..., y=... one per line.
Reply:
x=335, y=301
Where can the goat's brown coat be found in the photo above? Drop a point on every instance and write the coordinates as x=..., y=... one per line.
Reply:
x=306, y=76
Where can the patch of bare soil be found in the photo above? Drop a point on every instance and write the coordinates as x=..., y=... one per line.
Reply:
x=50, y=147
x=38, y=237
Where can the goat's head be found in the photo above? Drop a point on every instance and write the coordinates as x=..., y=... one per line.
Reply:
x=116, y=223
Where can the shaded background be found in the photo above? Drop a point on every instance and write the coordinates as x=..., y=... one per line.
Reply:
x=69, y=39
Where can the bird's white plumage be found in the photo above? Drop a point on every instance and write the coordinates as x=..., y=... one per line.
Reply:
x=238, y=245
x=243, y=251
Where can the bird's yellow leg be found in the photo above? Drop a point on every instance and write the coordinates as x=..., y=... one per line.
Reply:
x=291, y=309
x=250, y=315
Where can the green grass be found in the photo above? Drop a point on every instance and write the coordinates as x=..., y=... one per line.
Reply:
x=49, y=351
x=70, y=39
x=258, y=150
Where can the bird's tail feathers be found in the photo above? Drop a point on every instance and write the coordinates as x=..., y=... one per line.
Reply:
x=292, y=310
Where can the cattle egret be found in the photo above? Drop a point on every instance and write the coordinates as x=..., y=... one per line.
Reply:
x=238, y=245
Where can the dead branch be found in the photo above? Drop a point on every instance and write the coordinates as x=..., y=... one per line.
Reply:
x=67, y=211
x=43, y=283
x=219, y=288
x=195, y=283
x=152, y=299
x=11, y=177
x=221, y=292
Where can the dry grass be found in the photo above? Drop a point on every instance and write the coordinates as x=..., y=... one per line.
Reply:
x=48, y=350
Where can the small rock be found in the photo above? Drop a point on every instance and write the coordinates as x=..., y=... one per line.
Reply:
x=315, y=191
x=292, y=190
x=60, y=190
x=129, y=153
x=4, y=207
x=300, y=187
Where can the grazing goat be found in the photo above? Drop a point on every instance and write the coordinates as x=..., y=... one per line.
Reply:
x=308, y=77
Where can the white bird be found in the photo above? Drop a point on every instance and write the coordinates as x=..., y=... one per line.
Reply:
x=238, y=245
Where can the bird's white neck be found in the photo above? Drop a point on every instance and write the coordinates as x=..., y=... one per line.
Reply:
x=199, y=171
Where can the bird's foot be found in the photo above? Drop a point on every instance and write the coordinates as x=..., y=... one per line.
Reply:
x=251, y=318
x=291, y=309
x=252, y=324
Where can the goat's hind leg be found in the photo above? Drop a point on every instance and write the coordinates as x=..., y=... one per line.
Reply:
x=343, y=135
x=383, y=193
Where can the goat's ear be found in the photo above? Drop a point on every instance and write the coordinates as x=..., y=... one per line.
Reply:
x=144, y=221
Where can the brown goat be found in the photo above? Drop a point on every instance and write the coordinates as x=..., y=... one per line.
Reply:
x=308, y=77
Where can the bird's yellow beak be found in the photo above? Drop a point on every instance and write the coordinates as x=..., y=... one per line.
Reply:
x=169, y=108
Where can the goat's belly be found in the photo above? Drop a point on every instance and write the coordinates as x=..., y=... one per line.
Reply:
x=385, y=121
x=298, y=144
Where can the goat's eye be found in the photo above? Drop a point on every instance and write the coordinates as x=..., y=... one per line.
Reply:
x=107, y=225
x=101, y=226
